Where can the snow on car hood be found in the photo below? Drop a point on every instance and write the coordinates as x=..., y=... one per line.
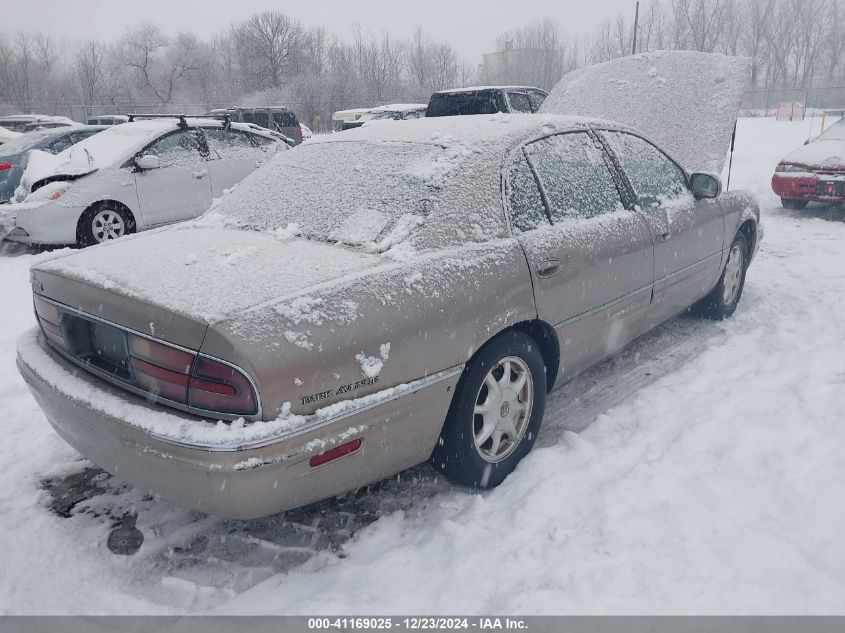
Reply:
x=685, y=101
x=208, y=274
x=821, y=153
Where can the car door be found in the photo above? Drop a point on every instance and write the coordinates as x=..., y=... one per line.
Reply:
x=688, y=233
x=591, y=259
x=180, y=188
x=233, y=155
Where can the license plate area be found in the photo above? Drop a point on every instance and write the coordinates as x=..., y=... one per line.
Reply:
x=101, y=346
x=830, y=188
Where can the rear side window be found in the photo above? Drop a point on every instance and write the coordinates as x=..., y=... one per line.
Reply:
x=263, y=142
x=285, y=119
x=524, y=200
x=574, y=175
x=258, y=118
x=519, y=102
x=536, y=98
x=229, y=144
x=653, y=175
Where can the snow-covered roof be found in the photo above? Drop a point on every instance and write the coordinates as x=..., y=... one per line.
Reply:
x=7, y=135
x=685, y=101
x=477, y=88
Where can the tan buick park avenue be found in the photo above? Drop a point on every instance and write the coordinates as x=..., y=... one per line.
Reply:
x=395, y=294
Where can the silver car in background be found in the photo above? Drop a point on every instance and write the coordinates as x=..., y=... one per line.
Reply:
x=132, y=177
x=376, y=299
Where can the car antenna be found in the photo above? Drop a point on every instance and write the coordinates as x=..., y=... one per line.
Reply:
x=731, y=159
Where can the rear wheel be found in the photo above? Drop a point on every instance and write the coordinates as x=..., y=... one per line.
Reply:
x=789, y=203
x=103, y=222
x=495, y=413
x=722, y=302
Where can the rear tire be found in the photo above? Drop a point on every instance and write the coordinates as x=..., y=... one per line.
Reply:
x=793, y=204
x=495, y=413
x=723, y=300
x=103, y=222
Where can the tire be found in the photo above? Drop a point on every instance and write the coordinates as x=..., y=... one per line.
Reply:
x=793, y=204
x=522, y=407
x=102, y=222
x=723, y=300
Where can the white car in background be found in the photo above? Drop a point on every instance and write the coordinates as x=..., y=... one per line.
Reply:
x=392, y=112
x=132, y=177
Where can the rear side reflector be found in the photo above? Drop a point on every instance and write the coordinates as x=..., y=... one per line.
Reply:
x=335, y=453
x=4, y=166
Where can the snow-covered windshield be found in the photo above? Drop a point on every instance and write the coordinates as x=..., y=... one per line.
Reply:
x=22, y=143
x=353, y=192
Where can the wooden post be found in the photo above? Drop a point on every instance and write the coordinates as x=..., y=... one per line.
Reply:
x=636, y=24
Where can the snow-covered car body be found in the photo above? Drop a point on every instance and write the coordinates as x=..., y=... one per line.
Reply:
x=485, y=100
x=7, y=135
x=145, y=174
x=14, y=155
x=312, y=332
x=814, y=172
x=28, y=122
x=390, y=112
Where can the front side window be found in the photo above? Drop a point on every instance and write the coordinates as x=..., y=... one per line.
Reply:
x=179, y=148
x=519, y=102
x=524, y=200
x=574, y=175
x=229, y=144
x=654, y=177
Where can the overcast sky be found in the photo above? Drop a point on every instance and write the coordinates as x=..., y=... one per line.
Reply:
x=470, y=26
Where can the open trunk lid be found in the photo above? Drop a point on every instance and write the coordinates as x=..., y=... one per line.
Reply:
x=685, y=101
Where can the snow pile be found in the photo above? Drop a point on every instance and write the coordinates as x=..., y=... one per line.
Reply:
x=685, y=101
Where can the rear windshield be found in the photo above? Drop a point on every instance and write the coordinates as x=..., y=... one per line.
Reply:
x=352, y=192
x=460, y=103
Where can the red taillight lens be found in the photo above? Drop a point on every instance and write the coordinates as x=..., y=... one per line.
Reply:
x=215, y=386
x=49, y=320
x=4, y=166
x=160, y=369
x=335, y=453
x=299, y=132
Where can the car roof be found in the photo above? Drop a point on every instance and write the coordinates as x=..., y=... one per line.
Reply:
x=480, y=88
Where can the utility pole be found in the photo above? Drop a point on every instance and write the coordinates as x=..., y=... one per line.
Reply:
x=636, y=24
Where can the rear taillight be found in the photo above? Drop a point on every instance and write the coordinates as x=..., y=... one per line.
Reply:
x=215, y=386
x=299, y=132
x=160, y=369
x=4, y=166
x=50, y=321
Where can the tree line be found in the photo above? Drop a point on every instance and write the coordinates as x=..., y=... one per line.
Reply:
x=273, y=58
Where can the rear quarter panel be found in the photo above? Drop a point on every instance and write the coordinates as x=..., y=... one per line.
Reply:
x=392, y=325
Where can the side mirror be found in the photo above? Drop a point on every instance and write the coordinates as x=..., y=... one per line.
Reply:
x=147, y=161
x=705, y=186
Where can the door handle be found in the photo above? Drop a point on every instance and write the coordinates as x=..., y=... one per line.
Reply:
x=200, y=174
x=548, y=268
x=664, y=237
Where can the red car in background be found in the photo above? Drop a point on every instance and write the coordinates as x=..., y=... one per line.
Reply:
x=815, y=172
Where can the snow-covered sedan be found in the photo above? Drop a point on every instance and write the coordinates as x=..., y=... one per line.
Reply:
x=385, y=296
x=814, y=172
x=15, y=154
x=132, y=177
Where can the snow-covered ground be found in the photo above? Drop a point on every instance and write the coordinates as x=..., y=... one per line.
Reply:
x=700, y=471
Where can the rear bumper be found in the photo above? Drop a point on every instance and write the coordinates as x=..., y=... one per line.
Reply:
x=107, y=426
x=805, y=187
